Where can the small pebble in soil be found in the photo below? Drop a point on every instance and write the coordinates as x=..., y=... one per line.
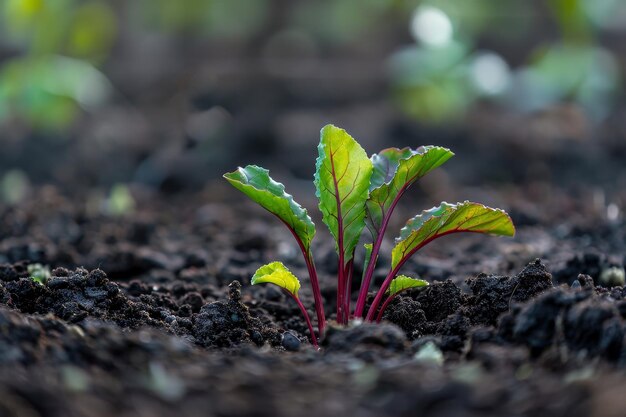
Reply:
x=256, y=337
x=290, y=342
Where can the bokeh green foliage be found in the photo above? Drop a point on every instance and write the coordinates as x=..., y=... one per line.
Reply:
x=438, y=83
x=82, y=29
x=340, y=22
x=58, y=44
x=55, y=51
x=219, y=18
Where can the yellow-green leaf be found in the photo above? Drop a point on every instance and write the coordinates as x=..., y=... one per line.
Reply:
x=395, y=170
x=257, y=184
x=342, y=179
x=447, y=219
x=276, y=273
x=402, y=283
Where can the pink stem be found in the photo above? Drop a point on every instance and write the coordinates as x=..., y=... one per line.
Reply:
x=384, y=307
x=317, y=294
x=394, y=271
x=367, y=278
x=340, y=290
x=381, y=291
x=315, y=286
x=347, y=295
x=308, y=321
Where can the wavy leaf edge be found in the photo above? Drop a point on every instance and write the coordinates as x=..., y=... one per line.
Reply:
x=278, y=274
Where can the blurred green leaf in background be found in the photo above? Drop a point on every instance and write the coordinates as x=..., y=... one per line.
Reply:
x=444, y=73
x=57, y=57
x=56, y=44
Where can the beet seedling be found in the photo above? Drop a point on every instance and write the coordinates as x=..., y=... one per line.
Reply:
x=355, y=191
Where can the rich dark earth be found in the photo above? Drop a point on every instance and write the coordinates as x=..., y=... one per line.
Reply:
x=152, y=314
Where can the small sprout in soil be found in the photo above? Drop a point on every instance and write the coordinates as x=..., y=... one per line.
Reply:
x=354, y=192
x=613, y=276
x=14, y=187
x=39, y=273
x=120, y=201
x=276, y=273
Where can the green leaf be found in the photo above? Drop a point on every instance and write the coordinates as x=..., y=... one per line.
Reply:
x=446, y=219
x=342, y=179
x=394, y=172
x=276, y=273
x=402, y=283
x=257, y=184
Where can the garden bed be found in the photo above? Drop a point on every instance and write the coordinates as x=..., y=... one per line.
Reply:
x=152, y=314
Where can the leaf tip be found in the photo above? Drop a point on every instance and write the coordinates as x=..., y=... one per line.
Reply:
x=276, y=273
x=329, y=126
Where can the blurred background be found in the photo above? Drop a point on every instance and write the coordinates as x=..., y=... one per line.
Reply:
x=97, y=95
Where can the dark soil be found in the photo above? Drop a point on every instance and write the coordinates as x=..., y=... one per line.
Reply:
x=152, y=314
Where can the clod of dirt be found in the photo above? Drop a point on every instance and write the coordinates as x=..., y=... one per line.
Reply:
x=605, y=271
x=75, y=295
x=492, y=295
x=595, y=327
x=10, y=273
x=407, y=314
x=194, y=300
x=229, y=324
x=440, y=300
x=37, y=340
x=536, y=324
x=584, y=323
x=454, y=332
x=365, y=340
x=584, y=281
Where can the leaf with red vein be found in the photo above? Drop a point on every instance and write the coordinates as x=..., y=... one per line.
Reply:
x=447, y=219
x=342, y=181
x=395, y=170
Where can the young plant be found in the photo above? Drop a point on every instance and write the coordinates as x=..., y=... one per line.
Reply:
x=355, y=191
x=276, y=273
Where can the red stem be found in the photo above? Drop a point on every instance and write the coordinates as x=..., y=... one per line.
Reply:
x=367, y=278
x=394, y=271
x=348, y=274
x=317, y=294
x=308, y=321
x=369, y=273
x=384, y=307
x=381, y=291
x=315, y=286
x=341, y=283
